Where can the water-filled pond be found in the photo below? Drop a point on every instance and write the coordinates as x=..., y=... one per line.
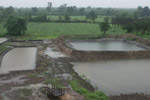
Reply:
x=53, y=53
x=117, y=76
x=3, y=40
x=23, y=58
x=105, y=46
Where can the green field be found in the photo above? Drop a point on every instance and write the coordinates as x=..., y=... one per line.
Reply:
x=53, y=30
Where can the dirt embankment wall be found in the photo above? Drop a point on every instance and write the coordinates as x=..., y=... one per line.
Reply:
x=79, y=55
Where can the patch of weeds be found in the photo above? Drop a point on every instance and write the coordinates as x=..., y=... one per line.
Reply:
x=54, y=81
x=130, y=39
x=24, y=92
x=48, y=73
x=74, y=75
x=98, y=95
x=32, y=75
x=1, y=98
x=85, y=78
x=4, y=47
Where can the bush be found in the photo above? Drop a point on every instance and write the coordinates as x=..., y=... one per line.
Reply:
x=98, y=95
x=16, y=26
x=40, y=18
x=67, y=17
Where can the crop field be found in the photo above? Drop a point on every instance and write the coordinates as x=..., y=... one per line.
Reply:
x=53, y=30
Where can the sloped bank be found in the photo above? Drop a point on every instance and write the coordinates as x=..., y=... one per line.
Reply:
x=80, y=55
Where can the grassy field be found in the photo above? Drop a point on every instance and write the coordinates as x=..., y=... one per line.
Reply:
x=53, y=30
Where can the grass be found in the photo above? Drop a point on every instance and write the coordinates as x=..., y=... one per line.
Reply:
x=24, y=93
x=53, y=30
x=4, y=47
x=98, y=95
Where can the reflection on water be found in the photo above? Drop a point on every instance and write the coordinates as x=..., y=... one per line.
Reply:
x=19, y=59
x=105, y=45
x=115, y=77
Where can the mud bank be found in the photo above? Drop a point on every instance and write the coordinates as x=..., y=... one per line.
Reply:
x=79, y=55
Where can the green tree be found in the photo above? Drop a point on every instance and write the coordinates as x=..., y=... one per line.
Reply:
x=16, y=25
x=104, y=27
x=92, y=15
x=49, y=6
x=34, y=10
x=67, y=17
x=129, y=27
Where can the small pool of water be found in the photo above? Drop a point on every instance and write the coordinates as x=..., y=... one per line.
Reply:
x=53, y=54
x=105, y=46
x=3, y=40
x=118, y=76
x=19, y=59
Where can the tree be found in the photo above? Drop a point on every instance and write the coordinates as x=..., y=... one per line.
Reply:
x=62, y=8
x=70, y=10
x=92, y=15
x=129, y=27
x=104, y=27
x=16, y=26
x=9, y=11
x=67, y=17
x=49, y=6
x=34, y=10
x=145, y=11
x=106, y=19
x=81, y=11
x=60, y=18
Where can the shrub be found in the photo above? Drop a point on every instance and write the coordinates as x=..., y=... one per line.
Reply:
x=98, y=95
x=16, y=26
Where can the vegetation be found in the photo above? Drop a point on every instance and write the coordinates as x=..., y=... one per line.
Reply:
x=53, y=30
x=67, y=17
x=4, y=47
x=104, y=26
x=16, y=26
x=91, y=15
x=87, y=94
x=24, y=92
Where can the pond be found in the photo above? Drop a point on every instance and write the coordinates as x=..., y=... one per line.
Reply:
x=117, y=76
x=3, y=40
x=53, y=54
x=23, y=58
x=105, y=46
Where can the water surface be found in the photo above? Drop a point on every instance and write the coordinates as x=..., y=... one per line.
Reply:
x=119, y=76
x=19, y=59
x=3, y=40
x=53, y=54
x=105, y=46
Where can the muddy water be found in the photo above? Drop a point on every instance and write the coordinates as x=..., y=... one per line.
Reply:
x=53, y=53
x=117, y=77
x=3, y=40
x=105, y=46
x=19, y=59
